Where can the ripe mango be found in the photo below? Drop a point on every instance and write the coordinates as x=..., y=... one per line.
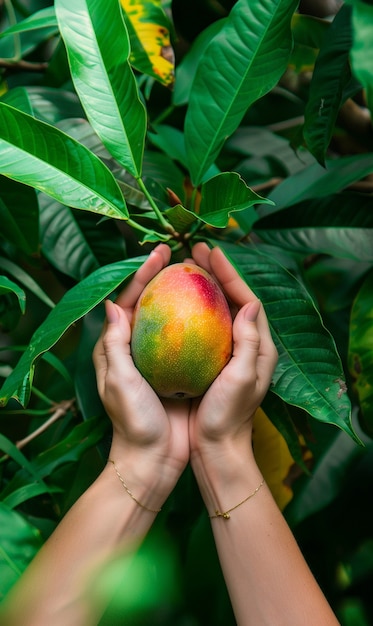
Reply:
x=181, y=331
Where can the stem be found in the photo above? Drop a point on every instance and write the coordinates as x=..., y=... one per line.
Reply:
x=162, y=116
x=166, y=225
x=31, y=412
x=143, y=229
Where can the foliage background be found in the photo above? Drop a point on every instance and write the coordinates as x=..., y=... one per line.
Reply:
x=246, y=124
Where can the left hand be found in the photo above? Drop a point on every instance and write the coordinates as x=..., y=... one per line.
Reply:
x=223, y=416
x=150, y=436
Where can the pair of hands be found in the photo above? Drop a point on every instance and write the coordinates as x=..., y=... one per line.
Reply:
x=160, y=436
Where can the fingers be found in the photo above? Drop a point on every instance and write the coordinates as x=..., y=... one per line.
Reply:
x=254, y=353
x=246, y=340
x=156, y=261
x=201, y=255
x=233, y=285
x=112, y=345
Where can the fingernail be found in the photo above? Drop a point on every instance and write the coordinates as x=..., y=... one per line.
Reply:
x=252, y=311
x=155, y=249
x=111, y=312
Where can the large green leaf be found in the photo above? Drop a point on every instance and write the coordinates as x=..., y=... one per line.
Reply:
x=339, y=225
x=74, y=243
x=37, y=154
x=98, y=49
x=45, y=18
x=20, y=39
x=259, y=142
x=19, y=215
x=309, y=373
x=74, y=304
x=241, y=63
x=361, y=348
x=331, y=75
x=186, y=69
x=317, y=182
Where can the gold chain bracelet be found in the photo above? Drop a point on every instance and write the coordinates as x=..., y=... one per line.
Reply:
x=225, y=514
x=130, y=492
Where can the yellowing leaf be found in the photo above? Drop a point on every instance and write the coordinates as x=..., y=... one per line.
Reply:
x=274, y=459
x=152, y=52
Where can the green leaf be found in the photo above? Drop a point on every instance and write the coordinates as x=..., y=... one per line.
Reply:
x=327, y=480
x=242, y=63
x=19, y=543
x=308, y=33
x=308, y=30
x=74, y=243
x=22, y=494
x=45, y=18
x=330, y=77
x=19, y=99
x=19, y=215
x=224, y=194
x=26, y=280
x=309, y=373
x=73, y=305
x=362, y=48
x=339, y=225
x=72, y=447
x=52, y=105
x=186, y=69
x=317, y=182
x=13, y=452
x=8, y=286
x=180, y=218
x=259, y=142
x=98, y=49
x=69, y=450
x=37, y=154
x=360, y=350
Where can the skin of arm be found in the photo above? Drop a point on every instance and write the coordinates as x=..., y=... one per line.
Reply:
x=267, y=577
x=150, y=448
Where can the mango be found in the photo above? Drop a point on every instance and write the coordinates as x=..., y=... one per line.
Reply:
x=181, y=331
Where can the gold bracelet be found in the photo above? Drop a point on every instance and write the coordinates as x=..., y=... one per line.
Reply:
x=130, y=492
x=225, y=514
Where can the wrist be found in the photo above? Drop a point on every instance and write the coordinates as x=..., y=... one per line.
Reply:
x=225, y=474
x=144, y=475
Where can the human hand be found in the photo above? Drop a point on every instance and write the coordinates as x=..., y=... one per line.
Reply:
x=150, y=436
x=224, y=414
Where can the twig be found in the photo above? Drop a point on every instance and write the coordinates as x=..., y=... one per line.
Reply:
x=268, y=184
x=22, y=66
x=61, y=410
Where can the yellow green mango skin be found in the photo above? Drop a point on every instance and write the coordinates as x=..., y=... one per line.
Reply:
x=181, y=331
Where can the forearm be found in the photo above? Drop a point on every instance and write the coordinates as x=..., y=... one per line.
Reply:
x=267, y=577
x=55, y=587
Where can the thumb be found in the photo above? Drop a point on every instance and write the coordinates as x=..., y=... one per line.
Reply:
x=246, y=339
x=116, y=335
